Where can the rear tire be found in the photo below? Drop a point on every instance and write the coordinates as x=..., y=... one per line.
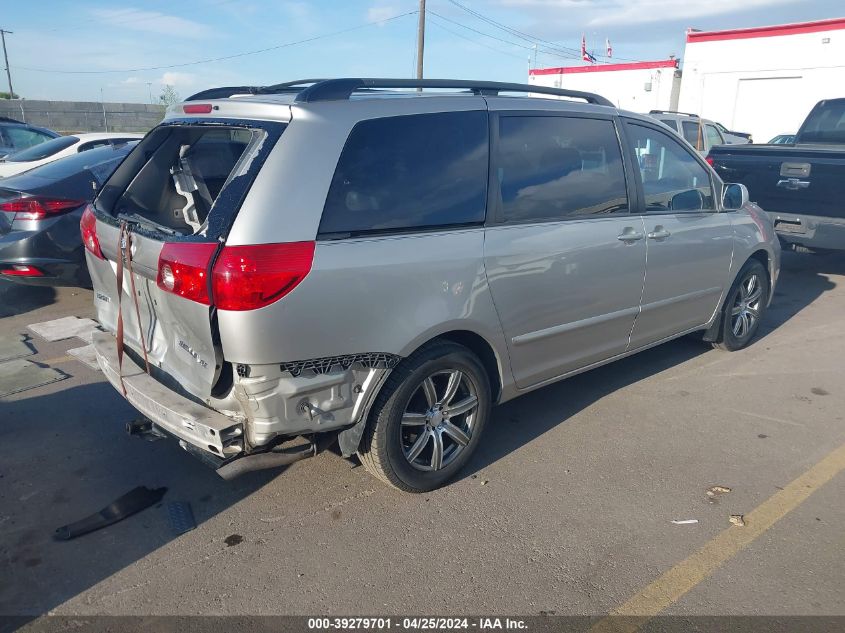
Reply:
x=744, y=307
x=428, y=419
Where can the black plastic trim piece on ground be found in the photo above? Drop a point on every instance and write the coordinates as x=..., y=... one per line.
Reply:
x=132, y=502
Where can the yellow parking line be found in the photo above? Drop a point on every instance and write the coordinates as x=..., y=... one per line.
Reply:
x=676, y=582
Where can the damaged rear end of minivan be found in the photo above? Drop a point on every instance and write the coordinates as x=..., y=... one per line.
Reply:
x=162, y=272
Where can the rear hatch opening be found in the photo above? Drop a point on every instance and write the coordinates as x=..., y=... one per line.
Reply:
x=178, y=192
x=176, y=176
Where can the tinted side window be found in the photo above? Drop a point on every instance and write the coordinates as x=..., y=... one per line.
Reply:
x=672, y=179
x=671, y=123
x=415, y=171
x=557, y=167
x=693, y=134
x=825, y=124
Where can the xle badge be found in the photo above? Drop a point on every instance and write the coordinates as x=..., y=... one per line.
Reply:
x=188, y=349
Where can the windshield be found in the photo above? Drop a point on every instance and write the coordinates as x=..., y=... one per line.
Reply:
x=42, y=150
x=101, y=162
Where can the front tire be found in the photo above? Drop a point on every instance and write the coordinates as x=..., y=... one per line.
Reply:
x=744, y=307
x=428, y=419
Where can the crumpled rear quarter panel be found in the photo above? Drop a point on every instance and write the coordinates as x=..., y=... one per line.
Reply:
x=384, y=294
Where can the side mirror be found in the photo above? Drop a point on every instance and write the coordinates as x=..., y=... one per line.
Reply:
x=734, y=196
x=690, y=200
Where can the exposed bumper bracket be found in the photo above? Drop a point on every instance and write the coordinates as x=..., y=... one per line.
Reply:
x=262, y=461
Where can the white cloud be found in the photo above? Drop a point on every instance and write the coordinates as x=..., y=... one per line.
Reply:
x=152, y=22
x=381, y=12
x=178, y=80
x=627, y=12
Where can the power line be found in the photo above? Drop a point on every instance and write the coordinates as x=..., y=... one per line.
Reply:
x=520, y=34
x=531, y=38
x=216, y=59
x=499, y=39
x=469, y=39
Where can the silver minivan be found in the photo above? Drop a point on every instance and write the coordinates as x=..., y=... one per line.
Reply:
x=378, y=262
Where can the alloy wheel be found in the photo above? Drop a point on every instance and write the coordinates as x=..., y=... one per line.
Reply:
x=745, y=312
x=439, y=419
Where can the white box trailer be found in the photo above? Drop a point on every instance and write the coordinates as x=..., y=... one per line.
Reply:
x=635, y=86
x=763, y=80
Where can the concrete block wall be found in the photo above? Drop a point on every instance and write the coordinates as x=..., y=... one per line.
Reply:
x=84, y=116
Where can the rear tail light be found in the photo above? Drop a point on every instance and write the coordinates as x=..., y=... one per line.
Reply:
x=709, y=160
x=243, y=277
x=88, y=227
x=251, y=277
x=183, y=269
x=39, y=207
x=21, y=270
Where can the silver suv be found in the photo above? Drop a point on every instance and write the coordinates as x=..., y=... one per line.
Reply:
x=702, y=134
x=377, y=263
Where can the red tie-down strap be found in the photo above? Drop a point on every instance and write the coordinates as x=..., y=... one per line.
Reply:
x=124, y=253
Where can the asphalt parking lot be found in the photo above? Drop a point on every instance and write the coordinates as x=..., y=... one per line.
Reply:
x=567, y=508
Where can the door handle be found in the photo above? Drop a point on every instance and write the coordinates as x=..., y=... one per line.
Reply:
x=793, y=184
x=659, y=233
x=629, y=235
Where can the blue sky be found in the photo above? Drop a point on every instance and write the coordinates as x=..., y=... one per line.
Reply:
x=118, y=36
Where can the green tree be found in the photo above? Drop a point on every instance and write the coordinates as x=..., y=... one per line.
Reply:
x=5, y=95
x=169, y=95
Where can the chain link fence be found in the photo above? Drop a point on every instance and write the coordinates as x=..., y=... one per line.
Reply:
x=84, y=116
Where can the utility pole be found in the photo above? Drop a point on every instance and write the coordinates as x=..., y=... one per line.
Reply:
x=103, y=104
x=6, y=57
x=421, y=40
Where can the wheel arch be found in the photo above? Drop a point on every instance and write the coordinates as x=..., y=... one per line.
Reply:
x=712, y=333
x=474, y=342
x=762, y=256
x=479, y=346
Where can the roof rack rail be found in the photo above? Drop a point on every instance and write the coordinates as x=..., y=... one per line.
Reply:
x=339, y=89
x=227, y=91
x=311, y=90
x=673, y=112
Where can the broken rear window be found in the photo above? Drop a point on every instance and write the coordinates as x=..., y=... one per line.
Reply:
x=177, y=174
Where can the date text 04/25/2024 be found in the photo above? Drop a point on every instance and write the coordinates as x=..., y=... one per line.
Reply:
x=416, y=624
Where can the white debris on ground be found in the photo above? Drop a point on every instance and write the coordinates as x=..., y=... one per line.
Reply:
x=64, y=328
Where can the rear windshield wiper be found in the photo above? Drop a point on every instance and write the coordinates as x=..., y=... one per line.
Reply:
x=140, y=220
